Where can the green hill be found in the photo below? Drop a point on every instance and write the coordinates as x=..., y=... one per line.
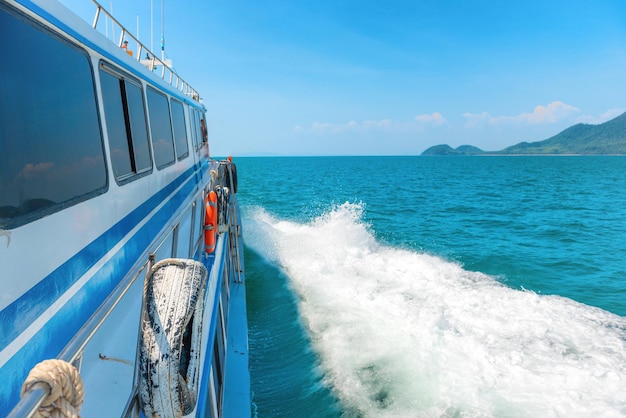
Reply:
x=608, y=138
x=448, y=150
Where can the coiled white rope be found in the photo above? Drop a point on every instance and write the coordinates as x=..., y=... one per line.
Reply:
x=66, y=394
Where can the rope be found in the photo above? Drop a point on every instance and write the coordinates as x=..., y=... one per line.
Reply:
x=66, y=393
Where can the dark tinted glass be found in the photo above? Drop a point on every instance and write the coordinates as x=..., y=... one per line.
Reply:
x=51, y=153
x=160, y=128
x=196, y=134
x=116, y=125
x=138, y=127
x=126, y=124
x=203, y=128
x=180, y=133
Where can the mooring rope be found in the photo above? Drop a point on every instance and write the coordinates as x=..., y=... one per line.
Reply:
x=66, y=394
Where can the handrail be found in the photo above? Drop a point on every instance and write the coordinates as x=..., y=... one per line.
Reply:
x=152, y=61
x=235, y=232
x=30, y=402
x=73, y=351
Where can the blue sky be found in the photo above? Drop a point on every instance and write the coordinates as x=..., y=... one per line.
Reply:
x=282, y=77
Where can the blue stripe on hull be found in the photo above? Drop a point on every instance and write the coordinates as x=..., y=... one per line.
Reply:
x=52, y=338
x=16, y=317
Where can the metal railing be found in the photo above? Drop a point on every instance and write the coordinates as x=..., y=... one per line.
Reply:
x=152, y=62
x=235, y=246
x=72, y=353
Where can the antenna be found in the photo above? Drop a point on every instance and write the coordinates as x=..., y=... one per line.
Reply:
x=112, y=22
x=151, y=25
x=162, y=30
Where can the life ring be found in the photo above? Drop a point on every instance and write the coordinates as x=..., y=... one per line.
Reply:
x=210, y=222
x=169, y=353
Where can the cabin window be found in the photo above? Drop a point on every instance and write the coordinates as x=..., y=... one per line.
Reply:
x=194, y=133
x=138, y=127
x=180, y=133
x=160, y=128
x=193, y=128
x=126, y=125
x=198, y=125
x=50, y=137
x=203, y=128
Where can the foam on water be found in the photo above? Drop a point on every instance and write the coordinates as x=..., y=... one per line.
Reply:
x=402, y=333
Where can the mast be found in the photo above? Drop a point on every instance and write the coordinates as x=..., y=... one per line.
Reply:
x=151, y=26
x=163, y=30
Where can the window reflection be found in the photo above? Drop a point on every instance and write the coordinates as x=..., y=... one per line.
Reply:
x=116, y=127
x=50, y=139
x=160, y=128
x=139, y=128
x=126, y=124
x=180, y=133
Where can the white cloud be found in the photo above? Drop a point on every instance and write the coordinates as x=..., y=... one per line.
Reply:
x=606, y=116
x=333, y=127
x=384, y=123
x=551, y=113
x=434, y=118
x=368, y=125
x=476, y=119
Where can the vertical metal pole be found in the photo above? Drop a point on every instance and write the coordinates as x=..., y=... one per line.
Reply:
x=112, y=22
x=138, y=52
x=96, y=17
x=151, y=26
x=163, y=30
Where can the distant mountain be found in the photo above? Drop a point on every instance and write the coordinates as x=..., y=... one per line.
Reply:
x=608, y=138
x=448, y=150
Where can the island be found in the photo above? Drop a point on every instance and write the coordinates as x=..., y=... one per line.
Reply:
x=608, y=138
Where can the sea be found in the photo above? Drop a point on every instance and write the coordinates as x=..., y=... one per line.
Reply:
x=436, y=286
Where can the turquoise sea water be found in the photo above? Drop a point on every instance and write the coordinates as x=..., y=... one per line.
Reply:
x=436, y=286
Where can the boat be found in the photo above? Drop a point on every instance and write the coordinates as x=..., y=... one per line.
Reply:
x=122, y=282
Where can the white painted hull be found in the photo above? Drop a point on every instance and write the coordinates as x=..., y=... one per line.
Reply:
x=58, y=271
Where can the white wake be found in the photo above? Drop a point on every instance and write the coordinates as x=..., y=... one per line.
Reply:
x=406, y=334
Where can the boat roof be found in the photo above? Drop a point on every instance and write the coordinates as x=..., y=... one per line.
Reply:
x=58, y=18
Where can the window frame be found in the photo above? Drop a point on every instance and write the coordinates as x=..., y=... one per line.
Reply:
x=179, y=157
x=20, y=220
x=151, y=114
x=124, y=77
x=197, y=141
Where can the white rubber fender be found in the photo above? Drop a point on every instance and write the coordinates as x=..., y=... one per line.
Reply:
x=168, y=359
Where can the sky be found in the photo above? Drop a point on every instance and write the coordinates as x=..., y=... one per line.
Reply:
x=393, y=77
